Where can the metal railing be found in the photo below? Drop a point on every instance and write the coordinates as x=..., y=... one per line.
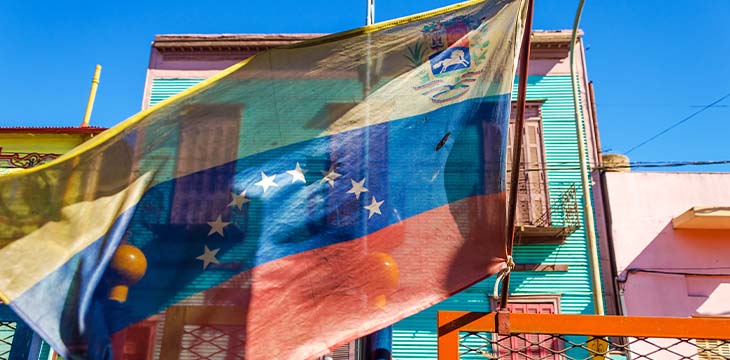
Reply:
x=562, y=212
x=7, y=332
x=472, y=335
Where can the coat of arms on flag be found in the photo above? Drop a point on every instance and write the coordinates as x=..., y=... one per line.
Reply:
x=458, y=48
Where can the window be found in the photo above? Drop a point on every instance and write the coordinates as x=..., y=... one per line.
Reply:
x=532, y=197
x=713, y=349
x=199, y=148
x=345, y=352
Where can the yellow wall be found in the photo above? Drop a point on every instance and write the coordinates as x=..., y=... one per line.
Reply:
x=40, y=142
x=24, y=143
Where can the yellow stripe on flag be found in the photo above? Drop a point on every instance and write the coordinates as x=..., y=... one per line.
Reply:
x=34, y=256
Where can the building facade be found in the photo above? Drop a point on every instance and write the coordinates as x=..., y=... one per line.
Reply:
x=22, y=148
x=552, y=273
x=669, y=234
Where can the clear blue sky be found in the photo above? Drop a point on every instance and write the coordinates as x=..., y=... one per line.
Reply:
x=652, y=62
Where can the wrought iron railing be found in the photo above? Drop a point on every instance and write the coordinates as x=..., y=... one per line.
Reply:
x=563, y=211
x=7, y=332
x=470, y=335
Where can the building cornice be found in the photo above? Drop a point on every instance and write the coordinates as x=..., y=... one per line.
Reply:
x=544, y=42
x=225, y=43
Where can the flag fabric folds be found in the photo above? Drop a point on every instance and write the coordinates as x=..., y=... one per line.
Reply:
x=300, y=199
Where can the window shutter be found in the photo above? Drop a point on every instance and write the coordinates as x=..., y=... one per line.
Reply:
x=344, y=352
x=200, y=148
x=536, y=189
x=532, y=198
x=713, y=349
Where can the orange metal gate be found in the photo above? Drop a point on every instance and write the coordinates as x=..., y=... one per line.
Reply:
x=474, y=335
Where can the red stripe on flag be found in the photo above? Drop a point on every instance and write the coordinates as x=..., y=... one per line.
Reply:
x=302, y=305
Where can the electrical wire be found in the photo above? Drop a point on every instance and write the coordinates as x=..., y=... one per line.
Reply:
x=648, y=105
x=633, y=165
x=677, y=123
x=625, y=275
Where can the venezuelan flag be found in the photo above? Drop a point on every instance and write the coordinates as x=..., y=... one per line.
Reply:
x=300, y=199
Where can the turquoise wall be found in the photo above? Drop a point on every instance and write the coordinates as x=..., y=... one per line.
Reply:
x=165, y=88
x=415, y=337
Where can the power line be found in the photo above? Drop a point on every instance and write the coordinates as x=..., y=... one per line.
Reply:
x=659, y=105
x=633, y=165
x=672, y=164
x=624, y=276
x=677, y=123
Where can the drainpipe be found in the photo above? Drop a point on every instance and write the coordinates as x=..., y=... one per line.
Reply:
x=379, y=345
x=622, y=309
x=609, y=237
x=590, y=226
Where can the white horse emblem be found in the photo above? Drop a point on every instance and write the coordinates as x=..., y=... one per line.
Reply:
x=456, y=57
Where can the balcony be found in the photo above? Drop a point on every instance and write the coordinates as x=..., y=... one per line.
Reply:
x=555, y=222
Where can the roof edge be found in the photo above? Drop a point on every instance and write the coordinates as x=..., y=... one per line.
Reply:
x=53, y=130
x=245, y=42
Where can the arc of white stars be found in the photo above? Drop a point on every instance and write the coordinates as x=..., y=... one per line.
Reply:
x=266, y=182
x=297, y=174
x=217, y=226
x=239, y=200
x=358, y=187
x=330, y=176
x=374, y=207
x=208, y=257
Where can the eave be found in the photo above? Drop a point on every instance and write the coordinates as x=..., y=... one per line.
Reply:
x=52, y=130
x=704, y=217
x=545, y=43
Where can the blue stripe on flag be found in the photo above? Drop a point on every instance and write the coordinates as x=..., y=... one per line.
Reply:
x=457, y=154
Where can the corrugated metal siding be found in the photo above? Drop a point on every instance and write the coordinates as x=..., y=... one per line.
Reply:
x=415, y=337
x=164, y=88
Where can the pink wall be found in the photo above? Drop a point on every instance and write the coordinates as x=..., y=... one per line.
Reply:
x=651, y=256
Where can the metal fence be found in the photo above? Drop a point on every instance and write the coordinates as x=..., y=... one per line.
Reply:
x=470, y=335
x=7, y=332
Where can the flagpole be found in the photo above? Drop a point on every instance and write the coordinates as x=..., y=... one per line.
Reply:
x=370, y=16
x=517, y=149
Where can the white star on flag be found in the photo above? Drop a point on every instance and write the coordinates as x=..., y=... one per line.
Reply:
x=208, y=257
x=297, y=174
x=330, y=176
x=217, y=226
x=374, y=207
x=266, y=182
x=358, y=187
x=239, y=200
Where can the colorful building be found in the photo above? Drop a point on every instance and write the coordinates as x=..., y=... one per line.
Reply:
x=552, y=273
x=21, y=148
x=669, y=234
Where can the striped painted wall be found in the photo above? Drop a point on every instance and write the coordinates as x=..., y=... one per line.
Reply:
x=415, y=337
x=164, y=88
x=561, y=155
